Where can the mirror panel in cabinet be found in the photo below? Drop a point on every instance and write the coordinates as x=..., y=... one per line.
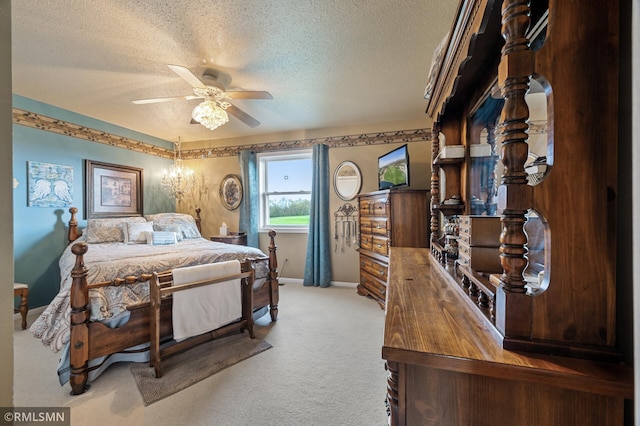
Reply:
x=484, y=167
x=540, y=158
x=534, y=274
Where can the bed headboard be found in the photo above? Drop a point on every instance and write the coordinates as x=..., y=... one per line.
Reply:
x=74, y=233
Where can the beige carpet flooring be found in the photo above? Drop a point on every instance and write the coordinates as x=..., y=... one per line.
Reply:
x=325, y=368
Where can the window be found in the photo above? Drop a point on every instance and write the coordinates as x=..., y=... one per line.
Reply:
x=285, y=190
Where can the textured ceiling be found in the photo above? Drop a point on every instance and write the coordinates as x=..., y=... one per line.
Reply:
x=327, y=63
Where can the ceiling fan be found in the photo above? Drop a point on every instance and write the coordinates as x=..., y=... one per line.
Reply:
x=216, y=99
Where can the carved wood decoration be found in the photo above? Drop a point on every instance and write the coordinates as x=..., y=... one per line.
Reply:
x=435, y=182
x=514, y=195
x=507, y=44
x=544, y=351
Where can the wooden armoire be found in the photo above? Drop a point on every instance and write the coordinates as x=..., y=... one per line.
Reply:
x=528, y=92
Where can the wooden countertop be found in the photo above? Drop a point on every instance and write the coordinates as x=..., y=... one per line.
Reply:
x=428, y=323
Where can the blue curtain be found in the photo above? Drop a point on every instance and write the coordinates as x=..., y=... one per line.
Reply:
x=249, y=208
x=317, y=268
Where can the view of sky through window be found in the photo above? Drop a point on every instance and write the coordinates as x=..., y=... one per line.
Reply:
x=289, y=175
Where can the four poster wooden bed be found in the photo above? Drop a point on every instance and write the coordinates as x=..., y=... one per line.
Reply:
x=101, y=314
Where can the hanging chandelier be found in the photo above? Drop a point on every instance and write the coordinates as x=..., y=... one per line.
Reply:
x=211, y=114
x=179, y=179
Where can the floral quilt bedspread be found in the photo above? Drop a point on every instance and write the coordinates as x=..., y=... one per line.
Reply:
x=106, y=261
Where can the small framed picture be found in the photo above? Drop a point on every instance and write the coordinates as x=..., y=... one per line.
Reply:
x=50, y=185
x=231, y=192
x=112, y=190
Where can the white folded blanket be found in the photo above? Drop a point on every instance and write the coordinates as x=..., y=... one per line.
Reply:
x=202, y=309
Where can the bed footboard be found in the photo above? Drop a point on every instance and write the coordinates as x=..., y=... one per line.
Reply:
x=158, y=293
x=89, y=340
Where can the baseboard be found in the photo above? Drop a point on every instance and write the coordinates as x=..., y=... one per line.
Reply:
x=344, y=284
x=284, y=280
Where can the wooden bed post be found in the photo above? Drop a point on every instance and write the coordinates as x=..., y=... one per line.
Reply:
x=198, y=219
x=154, y=325
x=73, y=233
x=273, y=276
x=79, y=333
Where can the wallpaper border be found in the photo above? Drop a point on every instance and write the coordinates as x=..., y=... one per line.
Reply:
x=54, y=125
x=333, y=142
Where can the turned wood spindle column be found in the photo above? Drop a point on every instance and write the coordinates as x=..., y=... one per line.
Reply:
x=515, y=197
x=79, y=333
x=435, y=183
x=392, y=391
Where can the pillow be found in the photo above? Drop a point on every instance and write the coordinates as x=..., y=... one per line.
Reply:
x=187, y=223
x=161, y=237
x=175, y=228
x=136, y=232
x=108, y=230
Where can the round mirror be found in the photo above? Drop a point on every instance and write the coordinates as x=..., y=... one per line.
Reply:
x=347, y=180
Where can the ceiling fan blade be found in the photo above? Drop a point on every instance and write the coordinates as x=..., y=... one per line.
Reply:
x=243, y=116
x=187, y=75
x=169, y=99
x=249, y=94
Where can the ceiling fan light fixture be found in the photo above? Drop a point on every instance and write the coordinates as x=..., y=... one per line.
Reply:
x=210, y=115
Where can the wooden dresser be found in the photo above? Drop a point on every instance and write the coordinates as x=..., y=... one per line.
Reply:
x=448, y=367
x=397, y=217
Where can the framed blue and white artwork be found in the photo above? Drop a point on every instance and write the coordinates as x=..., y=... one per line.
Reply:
x=50, y=185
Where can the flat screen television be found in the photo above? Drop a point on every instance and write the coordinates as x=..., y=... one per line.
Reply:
x=393, y=168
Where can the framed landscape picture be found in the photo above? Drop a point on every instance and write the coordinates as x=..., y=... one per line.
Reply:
x=112, y=190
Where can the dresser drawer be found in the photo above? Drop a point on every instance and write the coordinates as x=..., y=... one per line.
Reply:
x=481, y=259
x=379, y=225
x=365, y=207
x=380, y=207
x=365, y=225
x=375, y=205
x=373, y=267
x=366, y=241
x=373, y=284
x=380, y=245
x=463, y=259
x=481, y=230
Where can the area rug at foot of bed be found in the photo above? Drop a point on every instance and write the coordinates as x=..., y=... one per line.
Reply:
x=185, y=369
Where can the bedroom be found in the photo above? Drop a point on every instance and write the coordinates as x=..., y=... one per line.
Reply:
x=349, y=131
x=64, y=150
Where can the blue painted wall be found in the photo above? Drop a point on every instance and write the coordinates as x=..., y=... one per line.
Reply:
x=40, y=233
